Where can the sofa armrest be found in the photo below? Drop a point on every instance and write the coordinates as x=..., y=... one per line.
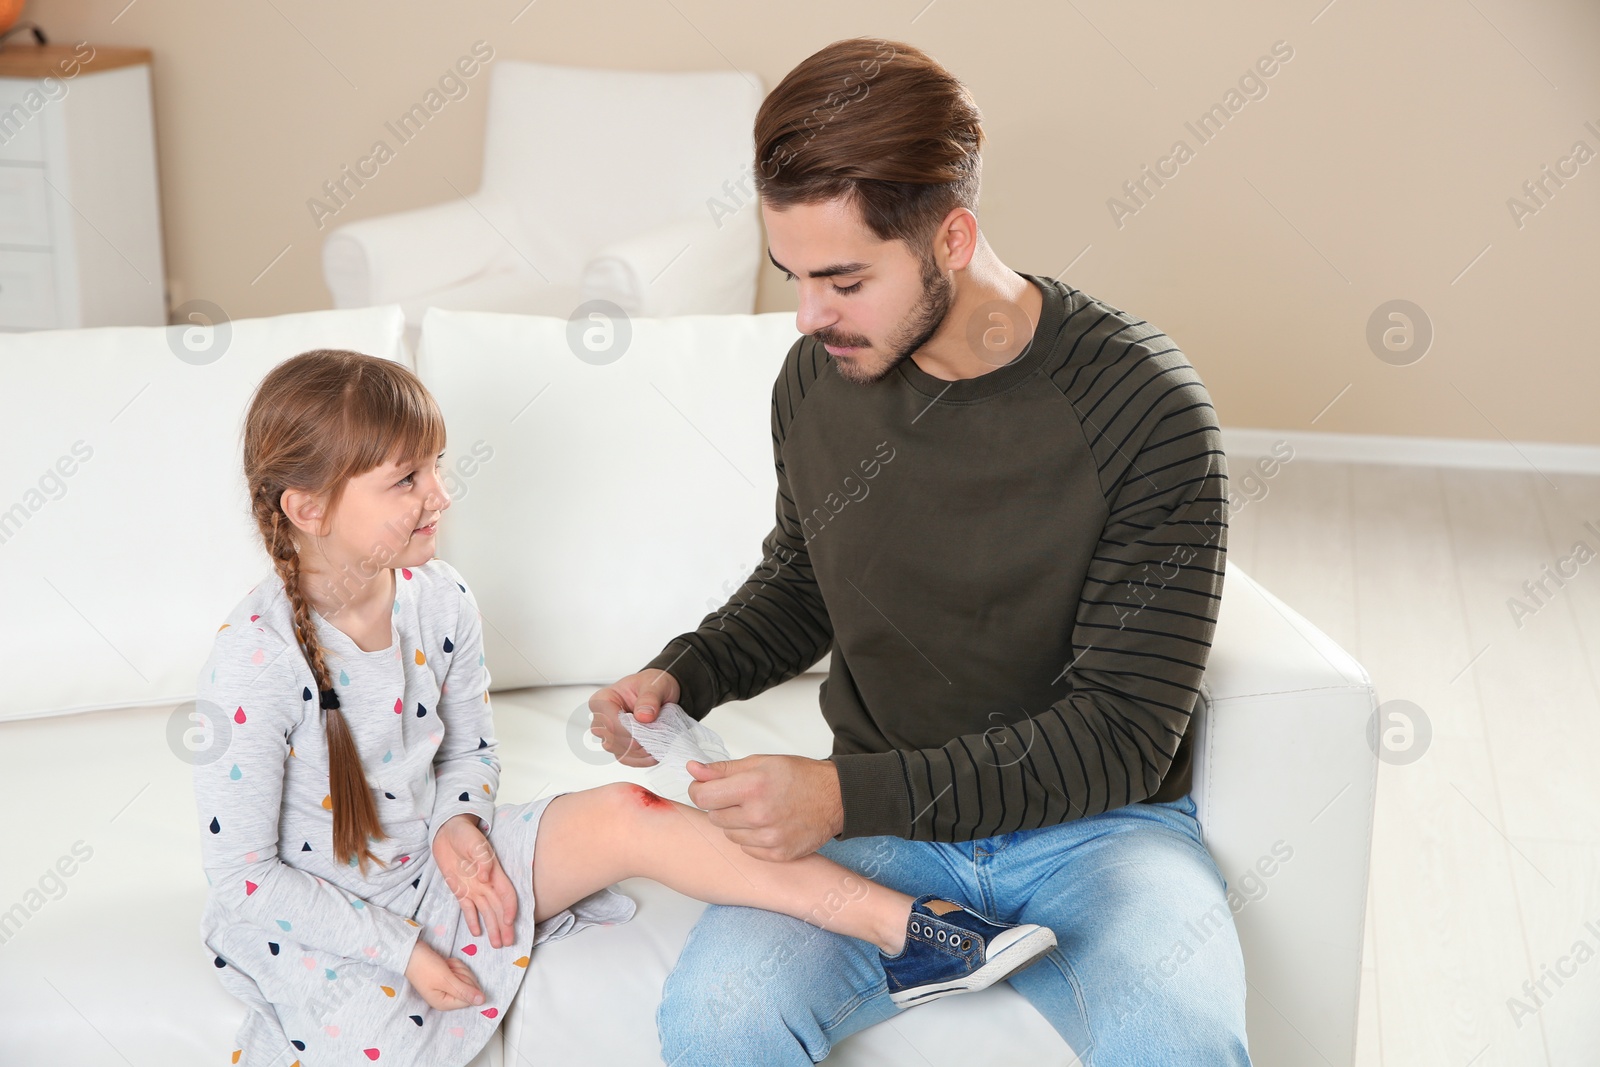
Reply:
x=1285, y=782
x=692, y=266
x=391, y=258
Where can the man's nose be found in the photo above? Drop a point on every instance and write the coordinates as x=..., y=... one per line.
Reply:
x=814, y=314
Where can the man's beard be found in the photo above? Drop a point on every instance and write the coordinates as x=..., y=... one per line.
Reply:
x=914, y=331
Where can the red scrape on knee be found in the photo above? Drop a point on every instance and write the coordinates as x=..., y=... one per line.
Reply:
x=649, y=799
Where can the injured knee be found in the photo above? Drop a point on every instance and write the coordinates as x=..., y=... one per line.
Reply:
x=648, y=800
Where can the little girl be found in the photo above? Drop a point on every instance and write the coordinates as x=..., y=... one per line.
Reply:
x=348, y=699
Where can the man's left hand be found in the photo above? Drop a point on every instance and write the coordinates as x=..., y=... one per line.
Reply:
x=774, y=807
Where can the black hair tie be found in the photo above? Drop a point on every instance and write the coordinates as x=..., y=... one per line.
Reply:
x=330, y=700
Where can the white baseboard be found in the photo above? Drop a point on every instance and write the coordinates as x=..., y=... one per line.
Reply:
x=1544, y=456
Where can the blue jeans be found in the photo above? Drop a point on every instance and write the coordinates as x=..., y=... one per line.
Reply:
x=1147, y=969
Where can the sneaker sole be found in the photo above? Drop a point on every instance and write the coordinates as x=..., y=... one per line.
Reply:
x=1017, y=957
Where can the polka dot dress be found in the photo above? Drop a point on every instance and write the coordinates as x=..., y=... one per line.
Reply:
x=316, y=949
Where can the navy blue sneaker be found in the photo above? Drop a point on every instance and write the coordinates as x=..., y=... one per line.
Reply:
x=950, y=949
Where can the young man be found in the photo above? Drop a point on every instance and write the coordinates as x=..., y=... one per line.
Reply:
x=1001, y=505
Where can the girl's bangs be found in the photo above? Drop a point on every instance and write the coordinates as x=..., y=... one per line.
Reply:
x=400, y=423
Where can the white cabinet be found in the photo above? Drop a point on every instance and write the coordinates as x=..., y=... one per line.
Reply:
x=80, y=212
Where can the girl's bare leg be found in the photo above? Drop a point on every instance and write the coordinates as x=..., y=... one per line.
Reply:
x=593, y=838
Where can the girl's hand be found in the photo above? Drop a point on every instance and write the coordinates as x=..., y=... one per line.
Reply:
x=474, y=875
x=445, y=984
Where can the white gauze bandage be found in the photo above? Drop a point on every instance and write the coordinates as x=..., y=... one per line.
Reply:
x=674, y=739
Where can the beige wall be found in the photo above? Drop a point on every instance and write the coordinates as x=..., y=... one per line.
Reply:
x=1377, y=166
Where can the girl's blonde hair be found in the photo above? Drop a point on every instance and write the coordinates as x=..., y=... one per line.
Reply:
x=316, y=421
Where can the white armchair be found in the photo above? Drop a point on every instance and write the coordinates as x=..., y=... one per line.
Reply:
x=629, y=186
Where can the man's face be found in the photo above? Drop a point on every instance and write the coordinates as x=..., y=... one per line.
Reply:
x=872, y=303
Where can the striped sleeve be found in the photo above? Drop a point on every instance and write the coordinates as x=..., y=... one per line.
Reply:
x=1141, y=634
x=775, y=625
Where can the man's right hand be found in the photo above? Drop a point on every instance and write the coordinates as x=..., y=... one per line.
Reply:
x=643, y=694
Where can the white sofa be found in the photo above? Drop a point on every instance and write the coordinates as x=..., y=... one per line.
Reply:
x=132, y=539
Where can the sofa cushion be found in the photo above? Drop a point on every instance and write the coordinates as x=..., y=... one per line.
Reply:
x=125, y=535
x=605, y=498
x=105, y=964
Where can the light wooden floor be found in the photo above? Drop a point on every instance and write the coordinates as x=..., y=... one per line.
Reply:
x=1486, y=852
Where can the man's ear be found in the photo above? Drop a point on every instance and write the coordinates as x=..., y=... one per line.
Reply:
x=305, y=510
x=956, y=240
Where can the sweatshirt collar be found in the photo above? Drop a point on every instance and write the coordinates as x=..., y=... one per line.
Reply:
x=1001, y=378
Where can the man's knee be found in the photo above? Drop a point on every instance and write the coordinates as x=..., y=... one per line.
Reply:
x=730, y=974
x=762, y=987
x=1151, y=1006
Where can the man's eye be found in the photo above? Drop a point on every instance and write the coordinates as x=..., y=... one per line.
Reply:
x=844, y=291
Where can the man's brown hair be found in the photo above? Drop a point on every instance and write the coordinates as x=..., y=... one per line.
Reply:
x=880, y=123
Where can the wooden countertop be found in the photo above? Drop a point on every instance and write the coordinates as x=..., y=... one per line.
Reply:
x=38, y=61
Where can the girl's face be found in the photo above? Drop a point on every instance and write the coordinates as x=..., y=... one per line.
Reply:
x=386, y=518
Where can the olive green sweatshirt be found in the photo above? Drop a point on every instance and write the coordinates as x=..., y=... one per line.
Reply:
x=1018, y=576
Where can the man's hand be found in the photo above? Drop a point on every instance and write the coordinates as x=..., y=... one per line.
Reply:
x=473, y=873
x=642, y=693
x=774, y=807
